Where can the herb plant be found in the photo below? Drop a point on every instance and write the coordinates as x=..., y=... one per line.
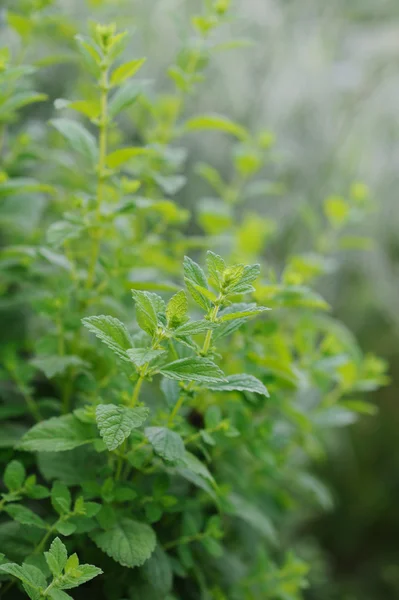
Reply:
x=171, y=453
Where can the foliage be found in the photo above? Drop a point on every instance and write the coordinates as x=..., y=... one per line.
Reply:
x=167, y=431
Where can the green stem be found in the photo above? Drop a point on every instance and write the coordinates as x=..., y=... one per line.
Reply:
x=132, y=404
x=176, y=408
x=212, y=317
x=137, y=388
x=101, y=168
x=205, y=349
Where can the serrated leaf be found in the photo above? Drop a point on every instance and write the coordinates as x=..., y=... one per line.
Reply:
x=126, y=70
x=193, y=369
x=31, y=577
x=241, y=382
x=141, y=356
x=250, y=312
x=166, y=443
x=116, y=423
x=25, y=516
x=128, y=542
x=216, y=267
x=111, y=332
x=81, y=140
x=195, y=276
x=61, y=498
x=242, y=284
x=176, y=310
x=76, y=575
x=56, y=557
x=146, y=311
x=194, y=328
x=14, y=475
x=56, y=435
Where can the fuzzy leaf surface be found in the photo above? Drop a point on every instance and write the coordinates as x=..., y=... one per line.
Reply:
x=166, y=443
x=195, y=368
x=57, y=435
x=111, y=332
x=117, y=422
x=128, y=542
x=240, y=382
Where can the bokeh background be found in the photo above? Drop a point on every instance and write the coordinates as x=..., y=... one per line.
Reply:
x=323, y=77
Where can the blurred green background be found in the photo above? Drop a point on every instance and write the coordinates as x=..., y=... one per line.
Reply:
x=324, y=78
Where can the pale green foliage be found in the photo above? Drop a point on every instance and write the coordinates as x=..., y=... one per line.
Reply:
x=157, y=441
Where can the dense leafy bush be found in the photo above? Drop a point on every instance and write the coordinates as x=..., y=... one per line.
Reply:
x=172, y=451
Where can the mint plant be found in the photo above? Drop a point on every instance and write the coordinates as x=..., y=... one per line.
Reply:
x=166, y=430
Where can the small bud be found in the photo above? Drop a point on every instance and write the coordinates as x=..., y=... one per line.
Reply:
x=104, y=35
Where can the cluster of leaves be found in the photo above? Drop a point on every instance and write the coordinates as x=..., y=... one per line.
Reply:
x=171, y=450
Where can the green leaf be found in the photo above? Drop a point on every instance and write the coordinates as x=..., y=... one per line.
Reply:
x=56, y=557
x=128, y=542
x=25, y=516
x=216, y=267
x=76, y=574
x=22, y=25
x=81, y=140
x=14, y=475
x=31, y=577
x=126, y=95
x=126, y=70
x=116, y=423
x=194, y=327
x=176, y=310
x=56, y=435
x=255, y=517
x=17, y=101
x=61, y=231
x=166, y=443
x=56, y=365
x=123, y=155
x=111, y=332
x=216, y=122
x=146, y=311
x=158, y=572
x=193, y=369
x=141, y=356
x=65, y=528
x=242, y=383
x=172, y=184
x=61, y=498
x=171, y=390
x=10, y=434
x=242, y=284
x=195, y=276
x=250, y=312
